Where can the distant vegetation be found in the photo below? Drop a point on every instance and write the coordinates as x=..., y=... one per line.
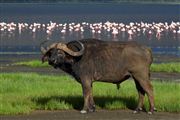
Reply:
x=91, y=1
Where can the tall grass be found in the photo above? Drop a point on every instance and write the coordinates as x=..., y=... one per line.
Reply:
x=25, y=92
x=161, y=67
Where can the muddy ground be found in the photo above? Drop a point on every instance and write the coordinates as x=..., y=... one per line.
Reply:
x=98, y=115
x=6, y=62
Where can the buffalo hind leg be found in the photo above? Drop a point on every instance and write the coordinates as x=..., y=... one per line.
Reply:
x=89, y=105
x=144, y=82
x=141, y=94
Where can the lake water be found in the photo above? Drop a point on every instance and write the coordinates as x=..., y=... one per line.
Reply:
x=127, y=16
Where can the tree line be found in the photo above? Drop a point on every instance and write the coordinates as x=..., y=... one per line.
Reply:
x=79, y=1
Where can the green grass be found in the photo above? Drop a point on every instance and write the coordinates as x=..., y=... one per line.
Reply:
x=166, y=67
x=26, y=92
x=162, y=67
x=32, y=63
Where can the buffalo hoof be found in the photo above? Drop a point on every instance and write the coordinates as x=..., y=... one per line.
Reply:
x=92, y=108
x=152, y=111
x=87, y=111
x=83, y=111
x=137, y=110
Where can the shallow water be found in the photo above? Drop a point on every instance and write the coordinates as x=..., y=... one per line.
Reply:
x=28, y=41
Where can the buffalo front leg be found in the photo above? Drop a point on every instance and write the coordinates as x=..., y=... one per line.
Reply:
x=92, y=106
x=89, y=105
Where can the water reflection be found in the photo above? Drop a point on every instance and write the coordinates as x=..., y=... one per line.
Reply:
x=115, y=30
x=151, y=34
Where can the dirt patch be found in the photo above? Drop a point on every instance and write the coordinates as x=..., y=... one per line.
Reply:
x=164, y=76
x=98, y=115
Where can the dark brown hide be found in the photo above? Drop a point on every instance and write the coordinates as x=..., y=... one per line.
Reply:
x=106, y=61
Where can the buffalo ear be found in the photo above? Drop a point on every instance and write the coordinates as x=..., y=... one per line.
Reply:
x=44, y=58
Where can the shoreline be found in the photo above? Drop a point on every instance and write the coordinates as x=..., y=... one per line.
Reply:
x=96, y=2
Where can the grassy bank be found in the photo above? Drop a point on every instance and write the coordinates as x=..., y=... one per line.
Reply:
x=162, y=67
x=166, y=67
x=33, y=63
x=25, y=92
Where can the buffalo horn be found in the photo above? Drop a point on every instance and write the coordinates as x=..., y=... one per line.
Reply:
x=69, y=51
x=43, y=50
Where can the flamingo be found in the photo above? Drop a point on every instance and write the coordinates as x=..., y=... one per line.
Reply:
x=158, y=34
x=130, y=32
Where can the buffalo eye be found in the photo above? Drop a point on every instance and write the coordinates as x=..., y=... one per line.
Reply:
x=60, y=53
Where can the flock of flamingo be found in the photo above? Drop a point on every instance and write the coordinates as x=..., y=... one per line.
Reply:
x=132, y=29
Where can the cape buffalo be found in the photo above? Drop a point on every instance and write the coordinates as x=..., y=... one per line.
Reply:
x=90, y=60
